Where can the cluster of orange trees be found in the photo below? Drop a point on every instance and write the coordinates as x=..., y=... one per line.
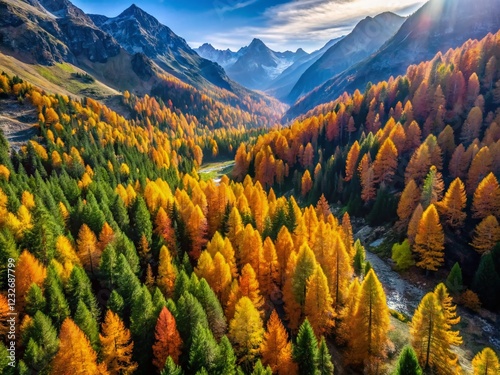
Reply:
x=423, y=148
x=127, y=262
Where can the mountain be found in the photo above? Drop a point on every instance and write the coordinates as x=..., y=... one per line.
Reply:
x=49, y=31
x=280, y=87
x=222, y=57
x=139, y=32
x=366, y=38
x=257, y=65
x=436, y=27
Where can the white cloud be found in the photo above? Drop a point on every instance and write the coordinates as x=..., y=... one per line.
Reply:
x=310, y=23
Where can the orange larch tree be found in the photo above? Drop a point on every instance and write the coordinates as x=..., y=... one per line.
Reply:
x=486, y=198
x=486, y=235
x=29, y=271
x=386, y=162
x=75, y=353
x=168, y=342
x=453, y=204
x=352, y=161
x=276, y=350
x=407, y=203
x=306, y=183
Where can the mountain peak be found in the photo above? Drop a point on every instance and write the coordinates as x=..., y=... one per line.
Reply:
x=133, y=10
x=256, y=43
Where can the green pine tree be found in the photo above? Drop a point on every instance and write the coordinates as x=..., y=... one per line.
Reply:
x=305, y=350
x=325, y=365
x=210, y=303
x=171, y=368
x=408, y=363
x=259, y=369
x=204, y=351
x=87, y=323
x=454, y=281
x=35, y=301
x=487, y=282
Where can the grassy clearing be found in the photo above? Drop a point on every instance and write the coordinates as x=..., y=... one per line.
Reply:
x=211, y=171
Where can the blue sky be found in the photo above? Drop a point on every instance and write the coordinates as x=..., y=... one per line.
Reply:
x=281, y=24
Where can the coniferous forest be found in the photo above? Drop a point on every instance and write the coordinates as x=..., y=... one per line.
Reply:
x=159, y=216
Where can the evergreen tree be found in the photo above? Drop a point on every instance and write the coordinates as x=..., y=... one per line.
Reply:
x=305, y=350
x=259, y=369
x=487, y=282
x=454, y=281
x=325, y=365
x=171, y=368
x=35, y=301
x=408, y=363
x=84, y=319
x=227, y=357
x=204, y=351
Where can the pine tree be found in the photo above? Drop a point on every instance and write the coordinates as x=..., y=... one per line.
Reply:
x=276, y=349
x=35, y=301
x=171, y=368
x=486, y=363
x=486, y=282
x=454, y=281
x=204, y=352
x=215, y=315
x=325, y=365
x=370, y=324
x=453, y=205
x=432, y=190
x=429, y=336
x=116, y=346
x=246, y=331
x=260, y=370
x=41, y=341
x=84, y=319
x=429, y=241
x=140, y=221
x=305, y=350
x=408, y=363
x=142, y=323
x=227, y=357
x=319, y=303
x=75, y=353
x=486, y=235
x=306, y=265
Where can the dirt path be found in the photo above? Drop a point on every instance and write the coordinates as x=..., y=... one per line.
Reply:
x=18, y=122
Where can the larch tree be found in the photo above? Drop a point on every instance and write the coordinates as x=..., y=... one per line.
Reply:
x=29, y=271
x=486, y=235
x=75, y=353
x=319, y=303
x=429, y=240
x=432, y=190
x=450, y=313
x=453, y=204
x=167, y=273
x=341, y=270
x=367, y=177
x=486, y=363
x=416, y=216
x=116, y=346
x=306, y=183
x=249, y=286
x=486, y=198
x=386, y=162
x=276, y=350
x=343, y=329
x=429, y=336
x=168, y=342
x=284, y=247
x=164, y=228
x=292, y=307
x=352, y=161
x=369, y=342
x=269, y=268
x=246, y=331
x=88, y=250
x=407, y=203
x=480, y=167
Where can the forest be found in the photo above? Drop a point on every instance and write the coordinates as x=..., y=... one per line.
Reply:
x=128, y=262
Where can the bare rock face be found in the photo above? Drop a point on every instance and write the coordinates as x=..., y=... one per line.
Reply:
x=142, y=66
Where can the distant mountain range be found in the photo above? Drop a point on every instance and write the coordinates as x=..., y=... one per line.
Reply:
x=436, y=27
x=253, y=66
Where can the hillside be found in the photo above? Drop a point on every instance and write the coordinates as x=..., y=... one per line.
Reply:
x=366, y=38
x=438, y=26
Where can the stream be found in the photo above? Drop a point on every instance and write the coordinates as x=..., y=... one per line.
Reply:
x=404, y=297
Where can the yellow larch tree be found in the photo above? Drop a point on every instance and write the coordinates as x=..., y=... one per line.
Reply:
x=486, y=363
x=370, y=323
x=284, y=247
x=88, y=250
x=116, y=346
x=167, y=273
x=453, y=204
x=268, y=275
x=319, y=303
x=450, y=313
x=486, y=199
x=246, y=331
x=430, y=338
x=429, y=241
